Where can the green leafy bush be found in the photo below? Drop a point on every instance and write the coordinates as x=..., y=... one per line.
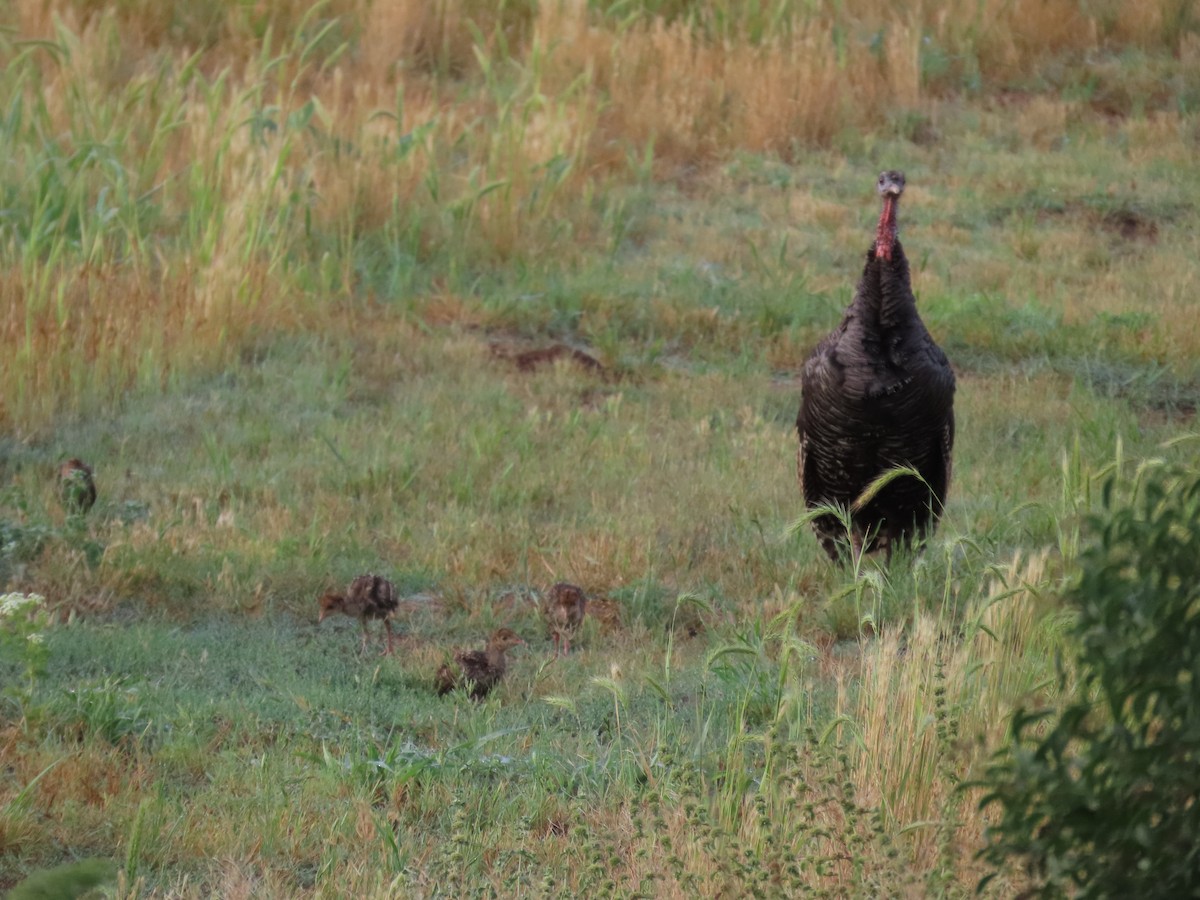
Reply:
x=1100, y=798
x=75, y=879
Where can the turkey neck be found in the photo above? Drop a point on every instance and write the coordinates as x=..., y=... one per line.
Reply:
x=495, y=658
x=885, y=234
x=895, y=304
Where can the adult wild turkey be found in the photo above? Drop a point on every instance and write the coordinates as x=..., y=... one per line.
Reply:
x=876, y=394
x=369, y=597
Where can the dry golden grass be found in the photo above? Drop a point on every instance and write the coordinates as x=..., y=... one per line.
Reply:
x=406, y=37
x=483, y=98
x=931, y=706
x=108, y=330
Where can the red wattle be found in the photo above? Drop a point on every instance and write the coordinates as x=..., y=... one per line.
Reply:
x=885, y=234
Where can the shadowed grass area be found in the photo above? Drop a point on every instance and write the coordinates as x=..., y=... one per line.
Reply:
x=274, y=272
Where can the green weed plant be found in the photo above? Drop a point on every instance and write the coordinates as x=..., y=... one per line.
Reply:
x=1096, y=796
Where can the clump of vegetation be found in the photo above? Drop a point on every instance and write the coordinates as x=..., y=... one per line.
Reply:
x=75, y=879
x=23, y=619
x=1098, y=796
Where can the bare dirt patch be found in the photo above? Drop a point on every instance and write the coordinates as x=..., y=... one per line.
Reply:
x=1130, y=225
x=531, y=359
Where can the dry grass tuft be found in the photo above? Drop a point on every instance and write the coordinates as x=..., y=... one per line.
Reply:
x=109, y=329
x=950, y=693
x=440, y=36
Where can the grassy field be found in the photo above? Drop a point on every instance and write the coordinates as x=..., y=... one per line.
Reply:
x=269, y=269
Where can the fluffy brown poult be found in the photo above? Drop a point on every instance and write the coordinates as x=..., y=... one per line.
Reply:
x=563, y=608
x=369, y=597
x=478, y=671
x=77, y=487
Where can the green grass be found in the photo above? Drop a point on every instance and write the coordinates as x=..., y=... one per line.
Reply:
x=194, y=666
x=277, y=316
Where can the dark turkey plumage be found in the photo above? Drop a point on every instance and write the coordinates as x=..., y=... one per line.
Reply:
x=369, y=597
x=478, y=671
x=877, y=393
x=76, y=486
x=563, y=608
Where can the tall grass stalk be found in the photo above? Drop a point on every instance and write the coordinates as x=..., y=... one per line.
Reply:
x=948, y=689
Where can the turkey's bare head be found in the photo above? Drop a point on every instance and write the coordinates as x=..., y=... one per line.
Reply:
x=890, y=184
x=890, y=187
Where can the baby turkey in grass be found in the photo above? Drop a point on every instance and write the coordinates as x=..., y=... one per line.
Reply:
x=369, y=597
x=478, y=671
x=76, y=486
x=563, y=608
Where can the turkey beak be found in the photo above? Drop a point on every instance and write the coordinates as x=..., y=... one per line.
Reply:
x=321, y=617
